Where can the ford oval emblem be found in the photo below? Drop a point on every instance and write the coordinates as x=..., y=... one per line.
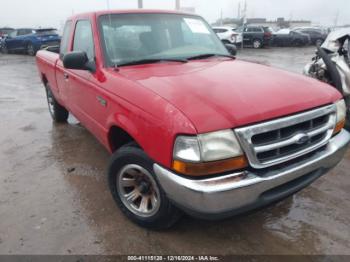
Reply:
x=302, y=138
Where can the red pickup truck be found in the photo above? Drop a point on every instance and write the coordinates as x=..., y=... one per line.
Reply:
x=190, y=128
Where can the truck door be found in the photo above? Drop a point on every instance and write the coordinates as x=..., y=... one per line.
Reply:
x=86, y=100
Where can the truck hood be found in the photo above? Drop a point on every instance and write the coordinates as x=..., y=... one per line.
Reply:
x=219, y=93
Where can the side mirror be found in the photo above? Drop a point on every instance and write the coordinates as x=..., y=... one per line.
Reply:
x=232, y=49
x=76, y=60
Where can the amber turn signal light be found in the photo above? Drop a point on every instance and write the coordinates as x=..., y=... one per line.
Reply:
x=339, y=126
x=209, y=168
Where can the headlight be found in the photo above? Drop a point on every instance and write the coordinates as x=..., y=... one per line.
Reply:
x=208, y=153
x=341, y=115
x=219, y=145
x=341, y=110
x=187, y=148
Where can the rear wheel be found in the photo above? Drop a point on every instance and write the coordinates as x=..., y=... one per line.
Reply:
x=319, y=42
x=4, y=50
x=297, y=43
x=57, y=112
x=31, y=50
x=136, y=190
x=257, y=43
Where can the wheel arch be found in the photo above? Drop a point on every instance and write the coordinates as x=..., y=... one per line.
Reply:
x=258, y=39
x=27, y=42
x=118, y=137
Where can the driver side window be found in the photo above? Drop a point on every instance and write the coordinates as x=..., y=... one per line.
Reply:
x=65, y=39
x=13, y=34
x=83, y=39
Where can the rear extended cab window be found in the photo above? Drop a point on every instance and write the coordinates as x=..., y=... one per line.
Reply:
x=64, y=48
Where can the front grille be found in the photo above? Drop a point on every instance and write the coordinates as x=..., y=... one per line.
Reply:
x=283, y=139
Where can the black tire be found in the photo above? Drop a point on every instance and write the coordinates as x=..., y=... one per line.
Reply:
x=58, y=113
x=347, y=123
x=31, y=49
x=319, y=42
x=166, y=214
x=4, y=49
x=257, y=43
x=297, y=43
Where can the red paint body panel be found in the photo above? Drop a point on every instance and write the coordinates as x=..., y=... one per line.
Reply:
x=223, y=94
x=156, y=102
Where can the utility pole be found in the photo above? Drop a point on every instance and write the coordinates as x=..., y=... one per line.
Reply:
x=177, y=4
x=239, y=11
x=140, y=4
x=221, y=18
x=336, y=19
x=244, y=16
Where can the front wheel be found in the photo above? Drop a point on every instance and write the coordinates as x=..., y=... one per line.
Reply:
x=4, y=50
x=57, y=112
x=257, y=44
x=136, y=190
x=319, y=42
x=31, y=50
x=297, y=43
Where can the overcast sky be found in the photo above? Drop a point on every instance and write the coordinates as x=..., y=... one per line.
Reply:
x=26, y=13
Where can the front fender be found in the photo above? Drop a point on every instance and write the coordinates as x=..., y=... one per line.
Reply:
x=154, y=134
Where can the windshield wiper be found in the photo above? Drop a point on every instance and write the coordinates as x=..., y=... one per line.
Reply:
x=152, y=60
x=203, y=56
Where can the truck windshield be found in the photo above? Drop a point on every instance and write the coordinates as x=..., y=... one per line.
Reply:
x=135, y=37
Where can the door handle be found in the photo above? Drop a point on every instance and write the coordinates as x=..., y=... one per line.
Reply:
x=102, y=101
x=66, y=76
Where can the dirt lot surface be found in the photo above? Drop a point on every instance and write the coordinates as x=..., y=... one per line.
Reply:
x=54, y=198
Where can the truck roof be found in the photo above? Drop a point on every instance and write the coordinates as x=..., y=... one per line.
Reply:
x=129, y=11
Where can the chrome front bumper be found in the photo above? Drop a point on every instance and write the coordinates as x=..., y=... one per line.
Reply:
x=224, y=196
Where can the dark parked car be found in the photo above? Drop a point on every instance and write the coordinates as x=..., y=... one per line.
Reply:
x=286, y=37
x=256, y=36
x=317, y=36
x=30, y=40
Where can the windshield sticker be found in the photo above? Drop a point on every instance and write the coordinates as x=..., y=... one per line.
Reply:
x=196, y=26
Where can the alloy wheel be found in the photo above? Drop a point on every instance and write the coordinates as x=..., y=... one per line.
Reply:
x=138, y=190
x=31, y=51
x=256, y=44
